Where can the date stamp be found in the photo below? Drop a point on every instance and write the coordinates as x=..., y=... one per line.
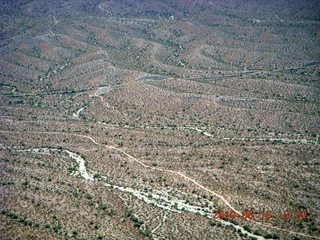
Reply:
x=250, y=215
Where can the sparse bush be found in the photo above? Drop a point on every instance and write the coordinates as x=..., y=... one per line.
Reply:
x=256, y=232
x=88, y=196
x=212, y=222
x=102, y=207
x=268, y=236
x=245, y=227
x=137, y=224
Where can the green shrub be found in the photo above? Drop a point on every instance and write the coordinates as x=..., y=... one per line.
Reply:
x=212, y=223
x=268, y=236
x=137, y=224
x=247, y=228
x=102, y=207
x=88, y=196
x=134, y=218
x=256, y=232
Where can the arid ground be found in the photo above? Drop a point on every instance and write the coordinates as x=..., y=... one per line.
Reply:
x=160, y=119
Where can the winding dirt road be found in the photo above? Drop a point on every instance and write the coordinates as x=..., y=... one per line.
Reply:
x=169, y=171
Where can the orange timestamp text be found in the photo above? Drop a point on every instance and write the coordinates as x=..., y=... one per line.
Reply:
x=250, y=215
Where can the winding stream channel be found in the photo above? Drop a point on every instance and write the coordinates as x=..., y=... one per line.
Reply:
x=162, y=199
x=166, y=199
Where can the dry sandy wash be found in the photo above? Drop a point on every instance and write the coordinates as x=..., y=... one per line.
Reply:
x=140, y=119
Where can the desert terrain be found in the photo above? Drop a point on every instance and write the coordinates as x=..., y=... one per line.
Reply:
x=160, y=119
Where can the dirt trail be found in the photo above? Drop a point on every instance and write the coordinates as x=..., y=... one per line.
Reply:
x=170, y=171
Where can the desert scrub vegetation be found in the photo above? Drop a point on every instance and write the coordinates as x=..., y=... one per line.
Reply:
x=165, y=104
